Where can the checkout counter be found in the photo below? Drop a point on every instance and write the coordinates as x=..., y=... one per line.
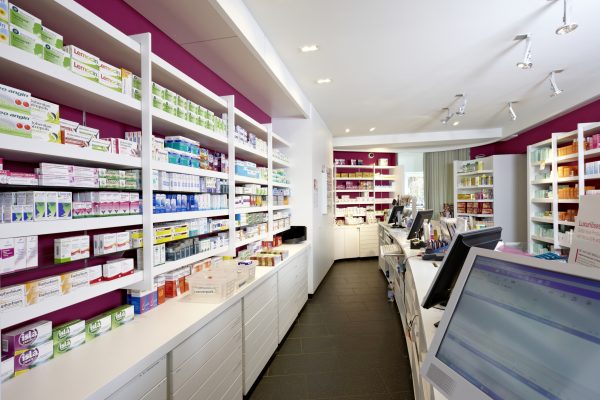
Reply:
x=411, y=277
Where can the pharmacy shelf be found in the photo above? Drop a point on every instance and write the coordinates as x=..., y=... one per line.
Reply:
x=548, y=162
x=180, y=169
x=67, y=225
x=354, y=179
x=542, y=220
x=172, y=78
x=543, y=239
x=34, y=151
x=245, y=179
x=567, y=179
x=542, y=181
x=382, y=190
x=247, y=153
x=568, y=201
x=250, y=240
x=566, y=223
x=280, y=163
x=354, y=191
x=169, y=124
x=253, y=224
x=276, y=231
x=250, y=124
x=18, y=315
x=590, y=177
x=477, y=215
x=278, y=219
x=592, y=153
x=278, y=140
x=173, y=265
x=283, y=185
x=385, y=178
x=540, y=200
x=354, y=166
x=248, y=210
x=475, y=187
x=182, y=216
x=564, y=244
x=482, y=172
x=375, y=201
x=475, y=201
x=567, y=159
x=54, y=83
x=283, y=207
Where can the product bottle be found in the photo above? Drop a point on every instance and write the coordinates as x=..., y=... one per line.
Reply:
x=390, y=293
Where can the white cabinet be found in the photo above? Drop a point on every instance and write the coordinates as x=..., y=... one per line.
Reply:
x=149, y=384
x=260, y=329
x=208, y=363
x=292, y=292
x=355, y=241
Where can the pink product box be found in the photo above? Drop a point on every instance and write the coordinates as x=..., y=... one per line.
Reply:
x=124, y=203
x=27, y=336
x=134, y=203
x=19, y=178
x=82, y=209
x=85, y=181
x=85, y=172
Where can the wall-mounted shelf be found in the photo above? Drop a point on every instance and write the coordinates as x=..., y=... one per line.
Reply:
x=248, y=210
x=173, y=265
x=245, y=179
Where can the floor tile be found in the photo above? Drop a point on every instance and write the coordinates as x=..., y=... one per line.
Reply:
x=289, y=387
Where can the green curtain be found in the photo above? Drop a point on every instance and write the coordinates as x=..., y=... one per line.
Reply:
x=439, y=182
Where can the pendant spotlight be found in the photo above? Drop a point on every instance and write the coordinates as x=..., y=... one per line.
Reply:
x=566, y=26
x=511, y=111
x=526, y=63
x=448, y=116
x=463, y=107
x=553, y=86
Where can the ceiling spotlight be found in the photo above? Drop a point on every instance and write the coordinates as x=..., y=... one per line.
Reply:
x=347, y=130
x=448, y=116
x=309, y=48
x=566, y=26
x=455, y=123
x=526, y=63
x=371, y=129
x=553, y=86
x=323, y=80
x=511, y=111
x=463, y=107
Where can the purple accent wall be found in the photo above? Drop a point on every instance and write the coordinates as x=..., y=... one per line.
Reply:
x=123, y=17
x=563, y=123
x=364, y=156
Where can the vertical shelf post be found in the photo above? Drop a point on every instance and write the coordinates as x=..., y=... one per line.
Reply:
x=231, y=173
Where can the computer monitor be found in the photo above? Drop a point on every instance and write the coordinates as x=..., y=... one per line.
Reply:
x=421, y=217
x=518, y=328
x=445, y=278
x=396, y=215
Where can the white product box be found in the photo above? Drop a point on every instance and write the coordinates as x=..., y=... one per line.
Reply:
x=4, y=10
x=84, y=181
x=63, y=249
x=125, y=265
x=93, y=133
x=47, y=288
x=4, y=31
x=83, y=57
x=84, y=70
x=124, y=203
x=84, y=246
x=22, y=178
x=74, y=280
x=15, y=100
x=134, y=203
x=101, y=145
x=44, y=111
x=21, y=18
x=136, y=238
x=110, y=82
x=126, y=82
x=111, y=271
x=32, y=252
x=20, y=259
x=12, y=297
x=105, y=243
x=51, y=205
x=111, y=70
x=38, y=200
x=45, y=131
x=56, y=56
x=7, y=255
x=7, y=368
x=55, y=169
x=14, y=123
x=127, y=148
x=52, y=38
x=86, y=172
x=123, y=239
x=94, y=274
x=54, y=180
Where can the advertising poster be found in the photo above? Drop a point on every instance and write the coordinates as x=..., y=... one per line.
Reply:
x=585, y=249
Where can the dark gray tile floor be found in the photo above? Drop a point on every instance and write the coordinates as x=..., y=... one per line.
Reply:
x=346, y=344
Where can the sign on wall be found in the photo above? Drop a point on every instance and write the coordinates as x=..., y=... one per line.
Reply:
x=585, y=249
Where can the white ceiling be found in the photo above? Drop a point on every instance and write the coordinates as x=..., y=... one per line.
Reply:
x=396, y=63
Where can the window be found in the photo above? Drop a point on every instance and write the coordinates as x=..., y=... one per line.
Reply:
x=414, y=185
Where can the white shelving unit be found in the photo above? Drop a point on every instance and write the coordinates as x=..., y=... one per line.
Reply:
x=496, y=177
x=48, y=81
x=544, y=228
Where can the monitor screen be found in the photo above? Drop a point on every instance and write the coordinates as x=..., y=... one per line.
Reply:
x=422, y=216
x=445, y=278
x=525, y=333
x=396, y=214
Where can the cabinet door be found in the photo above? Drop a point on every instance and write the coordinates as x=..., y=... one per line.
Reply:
x=338, y=243
x=369, y=241
x=351, y=243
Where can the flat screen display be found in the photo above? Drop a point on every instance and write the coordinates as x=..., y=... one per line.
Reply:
x=523, y=333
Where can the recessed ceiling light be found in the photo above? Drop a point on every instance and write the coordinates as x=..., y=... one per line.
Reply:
x=455, y=123
x=347, y=130
x=309, y=48
x=323, y=80
x=372, y=129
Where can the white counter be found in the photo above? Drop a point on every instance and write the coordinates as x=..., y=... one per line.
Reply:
x=98, y=368
x=419, y=322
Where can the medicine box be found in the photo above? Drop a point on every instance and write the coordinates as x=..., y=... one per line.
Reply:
x=74, y=280
x=121, y=315
x=15, y=100
x=44, y=111
x=26, y=337
x=26, y=41
x=56, y=56
x=14, y=123
x=122, y=241
x=142, y=300
x=110, y=271
x=105, y=243
x=30, y=358
x=64, y=205
x=7, y=255
x=21, y=18
x=97, y=326
x=100, y=145
x=49, y=36
x=68, y=330
x=63, y=346
x=94, y=274
x=32, y=252
x=126, y=82
x=4, y=15
x=44, y=131
x=42, y=289
x=20, y=253
x=51, y=205
x=83, y=57
x=7, y=368
x=12, y=297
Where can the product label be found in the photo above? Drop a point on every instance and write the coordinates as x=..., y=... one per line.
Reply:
x=25, y=20
x=56, y=56
x=46, y=132
x=84, y=70
x=25, y=41
x=15, y=124
x=51, y=37
x=44, y=111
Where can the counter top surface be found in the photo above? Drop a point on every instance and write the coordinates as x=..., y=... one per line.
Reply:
x=98, y=368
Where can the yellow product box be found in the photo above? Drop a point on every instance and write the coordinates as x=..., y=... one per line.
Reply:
x=74, y=280
x=42, y=289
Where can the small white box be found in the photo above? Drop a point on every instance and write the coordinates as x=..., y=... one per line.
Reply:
x=12, y=297
x=32, y=251
x=111, y=270
x=45, y=131
x=105, y=243
x=20, y=259
x=124, y=203
x=94, y=274
x=44, y=111
x=48, y=288
x=74, y=280
x=51, y=205
x=84, y=172
x=7, y=255
x=84, y=246
x=63, y=250
x=123, y=241
x=64, y=205
x=55, y=169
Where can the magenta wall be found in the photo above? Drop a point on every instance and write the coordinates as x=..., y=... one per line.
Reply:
x=125, y=18
x=564, y=123
x=357, y=155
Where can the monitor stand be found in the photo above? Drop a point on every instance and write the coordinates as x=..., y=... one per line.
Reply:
x=440, y=307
